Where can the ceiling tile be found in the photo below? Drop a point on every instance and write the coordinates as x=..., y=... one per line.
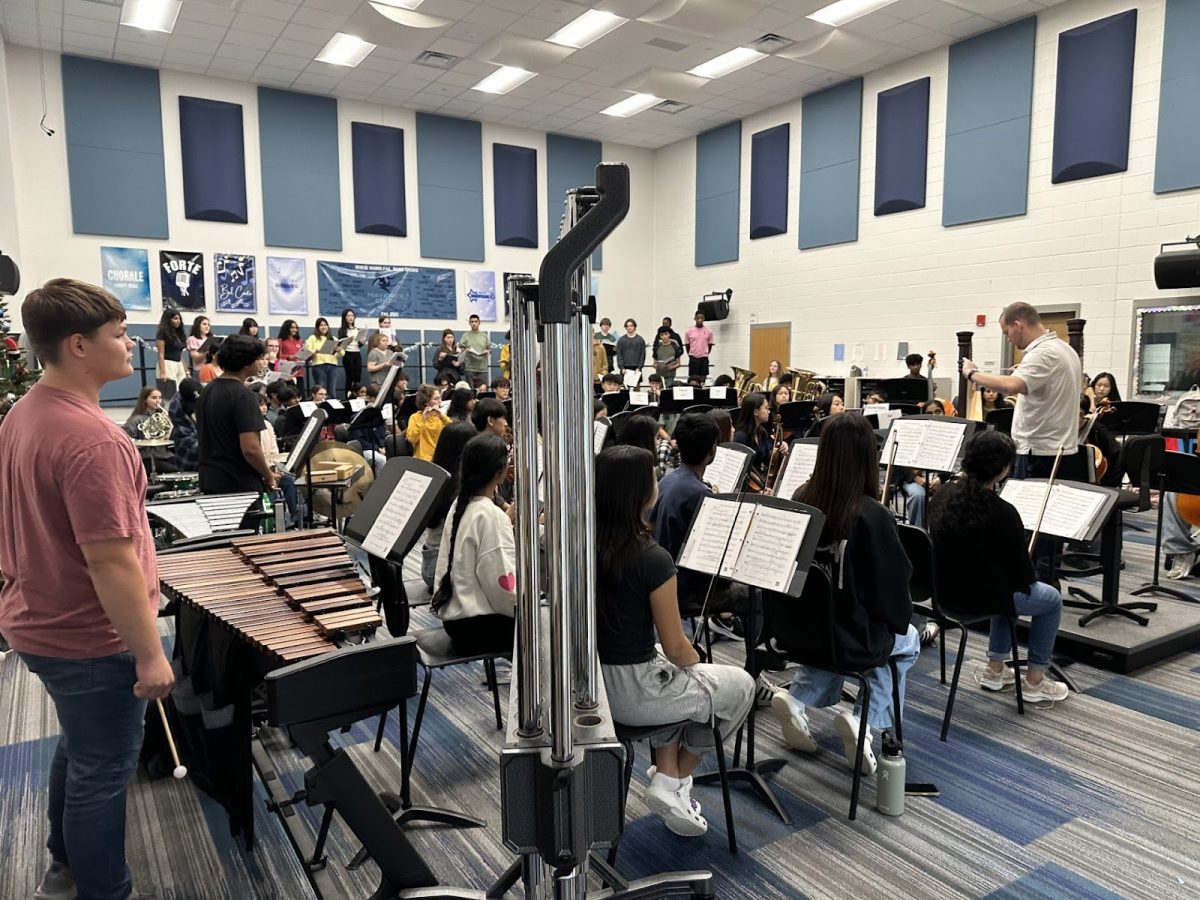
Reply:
x=247, y=39
x=272, y=9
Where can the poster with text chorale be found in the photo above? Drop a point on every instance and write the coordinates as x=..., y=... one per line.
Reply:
x=182, y=280
x=287, y=294
x=125, y=273
x=235, y=282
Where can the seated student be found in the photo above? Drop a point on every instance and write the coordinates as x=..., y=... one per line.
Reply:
x=610, y=383
x=724, y=425
x=448, y=455
x=462, y=401
x=933, y=408
x=1102, y=439
x=654, y=386
x=273, y=406
x=182, y=410
x=476, y=569
x=599, y=410
x=753, y=430
x=287, y=428
x=828, y=404
x=1180, y=541
x=426, y=424
x=967, y=515
x=640, y=431
x=875, y=397
x=155, y=459
x=871, y=572
x=276, y=458
x=723, y=381
x=490, y=415
x=990, y=400
x=646, y=685
x=502, y=388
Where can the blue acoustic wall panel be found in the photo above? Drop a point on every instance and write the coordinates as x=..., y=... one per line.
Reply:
x=718, y=194
x=570, y=163
x=377, y=154
x=214, y=160
x=450, y=187
x=830, y=139
x=514, y=195
x=769, y=155
x=113, y=119
x=987, y=125
x=298, y=146
x=1177, y=162
x=1091, y=103
x=901, y=147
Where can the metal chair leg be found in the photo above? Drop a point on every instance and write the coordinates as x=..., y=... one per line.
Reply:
x=720, y=749
x=629, y=755
x=897, y=710
x=379, y=732
x=942, y=646
x=416, y=732
x=489, y=666
x=1016, y=662
x=864, y=692
x=962, y=651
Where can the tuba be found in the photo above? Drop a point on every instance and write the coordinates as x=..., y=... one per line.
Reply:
x=743, y=381
x=805, y=385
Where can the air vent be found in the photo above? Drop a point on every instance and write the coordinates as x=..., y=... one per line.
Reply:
x=670, y=107
x=771, y=43
x=436, y=60
x=664, y=44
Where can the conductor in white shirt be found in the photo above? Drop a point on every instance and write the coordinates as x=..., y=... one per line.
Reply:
x=1048, y=381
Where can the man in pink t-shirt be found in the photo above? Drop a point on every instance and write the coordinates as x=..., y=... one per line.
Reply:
x=80, y=596
x=699, y=340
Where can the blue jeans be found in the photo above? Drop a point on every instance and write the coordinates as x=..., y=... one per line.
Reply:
x=97, y=754
x=324, y=375
x=1044, y=604
x=817, y=687
x=1176, y=533
x=914, y=504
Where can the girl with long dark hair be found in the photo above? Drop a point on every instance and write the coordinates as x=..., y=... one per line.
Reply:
x=872, y=604
x=201, y=330
x=249, y=327
x=462, y=402
x=352, y=358
x=636, y=596
x=752, y=428
x=828, y=404
x=323, y=366
x=1104, y=387
x=476, y=569
x=968, y=514
x=172, y=349
x=448, y=455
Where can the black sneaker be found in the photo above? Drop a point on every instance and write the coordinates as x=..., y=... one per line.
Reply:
x=729, y=627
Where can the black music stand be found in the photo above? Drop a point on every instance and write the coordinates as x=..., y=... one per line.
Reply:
x=302, y=450
x=338, y=412
x=359, y=526
x=797, y=416
x=906, y=390
x=755, y=772
x=669, y=402
x=614, y=401
x=1000, y=420
x=1180, y=474
x=728, y=401
x=1132, y=417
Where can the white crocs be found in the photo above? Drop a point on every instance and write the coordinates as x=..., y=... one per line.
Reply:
x=678, y=811
x=847, y=724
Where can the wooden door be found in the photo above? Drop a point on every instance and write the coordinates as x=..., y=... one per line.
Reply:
x=768, y=342
x=1056, y=322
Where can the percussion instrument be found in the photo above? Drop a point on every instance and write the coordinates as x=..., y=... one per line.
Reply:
x=288, y=595
x=177, y=484
x=348, y=500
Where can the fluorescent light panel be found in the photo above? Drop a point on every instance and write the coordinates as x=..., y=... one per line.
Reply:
x=632, y=105
x=503, y=80
x=151, y=15
x=591, y=26
x=727, y=62
x=345, y=50
x=838, y=14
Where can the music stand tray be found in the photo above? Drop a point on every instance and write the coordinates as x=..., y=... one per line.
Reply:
x=755, y=772
x=380, y=495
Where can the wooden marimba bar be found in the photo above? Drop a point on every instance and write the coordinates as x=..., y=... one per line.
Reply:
x=290, y=595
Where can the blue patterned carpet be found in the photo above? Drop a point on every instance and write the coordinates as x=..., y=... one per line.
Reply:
x=1098, y=797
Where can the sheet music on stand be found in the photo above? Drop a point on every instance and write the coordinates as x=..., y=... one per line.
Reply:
x=599, y=433
x=304, y=443
x=396, y=508
x=632, y=378
x=1074, y=512
x=883, y=413
x=924, y=442
x=758, y=541
x=728, y=469
x=801, y=459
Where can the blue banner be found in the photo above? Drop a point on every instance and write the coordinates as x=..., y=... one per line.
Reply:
x=235, y=282
x=481, y=294
x=182, y=280
x=404, y=292
x=125, y=273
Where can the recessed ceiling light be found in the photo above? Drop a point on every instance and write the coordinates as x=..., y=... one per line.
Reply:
x=345, y=50
x=503, y=80
x=727, y=62
x=151, y=15
x=632, y=105
x=591, y=26
x=838, y=14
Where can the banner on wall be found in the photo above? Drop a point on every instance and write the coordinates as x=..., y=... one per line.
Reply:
x=480, y=288
x=287, y=292
x=182, y=280
x=235, y=282
x=405, y=292
x=125, y=273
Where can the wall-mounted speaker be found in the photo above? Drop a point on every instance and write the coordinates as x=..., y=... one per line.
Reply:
x=1175, y=269
x=715, y=306
x=10, y=276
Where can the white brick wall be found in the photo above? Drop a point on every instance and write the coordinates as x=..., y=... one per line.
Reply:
x=1088, y=243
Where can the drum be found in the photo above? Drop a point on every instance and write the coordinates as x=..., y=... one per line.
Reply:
x=177, y=484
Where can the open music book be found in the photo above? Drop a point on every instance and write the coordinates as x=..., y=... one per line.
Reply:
x=750, y=543
x=632, y=378
x=727, y=471
x=388, y=525
x=797, y=469
x=925, y=443
x=599, y=433
x=1070, y=512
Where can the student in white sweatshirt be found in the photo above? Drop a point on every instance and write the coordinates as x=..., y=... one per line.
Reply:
x=476, y=568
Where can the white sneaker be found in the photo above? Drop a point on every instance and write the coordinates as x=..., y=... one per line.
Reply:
x=676, y=809
x=685, y=785
x=57, y=884
x=929, y=633
x=1182, y=565
x=764, y=691
x=1046, y=689
x=996, y=681
x=847, y=725
x=793, y=720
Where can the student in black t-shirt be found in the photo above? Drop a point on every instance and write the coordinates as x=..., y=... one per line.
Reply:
x=228, y=422
x=649, y=684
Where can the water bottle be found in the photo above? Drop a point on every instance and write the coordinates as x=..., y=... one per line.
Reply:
x=890, y=779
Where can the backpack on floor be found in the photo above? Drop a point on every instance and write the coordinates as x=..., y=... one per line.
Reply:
x=1187, y=410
